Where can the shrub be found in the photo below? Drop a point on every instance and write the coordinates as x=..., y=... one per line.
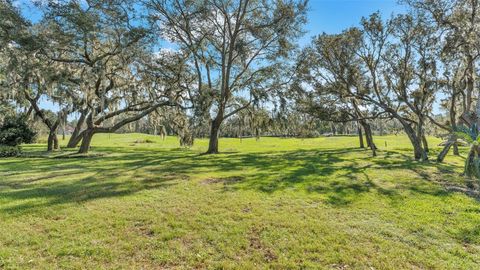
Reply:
x=10, y=151
x=15, y=131
x=472, y=137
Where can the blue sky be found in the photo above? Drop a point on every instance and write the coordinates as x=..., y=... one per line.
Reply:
x=329, y=16
x=333, y=16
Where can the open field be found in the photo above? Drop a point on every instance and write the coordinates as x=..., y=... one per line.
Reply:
x=273, y=203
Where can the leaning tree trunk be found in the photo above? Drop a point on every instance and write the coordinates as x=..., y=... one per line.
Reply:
x=76, y=137
x=425, y=144
x=360, y=136
x=74, y=141
x=86, y=141
x=452, y=141
x=444, y=151
x=369, y=137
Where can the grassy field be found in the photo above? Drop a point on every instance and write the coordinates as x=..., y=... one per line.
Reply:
x=273, y=203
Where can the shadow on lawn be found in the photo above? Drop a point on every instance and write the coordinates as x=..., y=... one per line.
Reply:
x=36, y=183
x=342, y=175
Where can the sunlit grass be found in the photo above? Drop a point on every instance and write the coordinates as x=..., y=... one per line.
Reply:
x=278, y=203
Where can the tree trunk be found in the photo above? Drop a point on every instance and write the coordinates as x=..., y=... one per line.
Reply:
x=75, y=138
x=86, y=141
x=425, y=144
x=471, y=167
x=50, y=142
x=360, y=136
x=214, y=132
x=369, y=137
x=74, y=141
x=445, y=150
x=56, y=146
x=418, y=151
x=455, y=149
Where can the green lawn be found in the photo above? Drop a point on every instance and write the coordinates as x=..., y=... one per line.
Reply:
x=273, y=203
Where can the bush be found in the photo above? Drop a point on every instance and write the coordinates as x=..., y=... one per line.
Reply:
x=15, y=131
x=10, y=151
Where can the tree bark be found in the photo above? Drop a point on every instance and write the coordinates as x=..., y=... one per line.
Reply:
x=366, y=128
x=214, y=132
x=418, y=151
x=471, y=169
x=76, y=137
x=369, y=137
x=50, y=142
x=455, y=149
x=86, y=141
x=56, y=146
x=445, y=150
x=360, y=136
x=74, y=141
x=425, y=144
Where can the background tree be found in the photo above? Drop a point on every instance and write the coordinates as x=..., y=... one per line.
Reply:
x=104, y=45
x=457, y=26
x=327, y=72
x=235, y=47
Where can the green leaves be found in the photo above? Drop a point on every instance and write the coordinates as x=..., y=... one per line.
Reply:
x=467, y=134
x=15, y=131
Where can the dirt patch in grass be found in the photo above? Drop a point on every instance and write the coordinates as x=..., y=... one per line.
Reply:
x=143, y=141
x=256, y=244
x=143, y=229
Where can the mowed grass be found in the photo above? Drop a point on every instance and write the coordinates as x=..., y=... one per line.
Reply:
x=274, y=203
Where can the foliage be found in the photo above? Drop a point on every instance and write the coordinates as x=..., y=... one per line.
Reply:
x=470, y=135
x=379, y=68
x=15, y=130
x=472, y=162
x=239, y=51
x=10, y=151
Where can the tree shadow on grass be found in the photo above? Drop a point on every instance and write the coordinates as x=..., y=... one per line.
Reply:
x=35, y=184
x=341, y=175
x=83, y=190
